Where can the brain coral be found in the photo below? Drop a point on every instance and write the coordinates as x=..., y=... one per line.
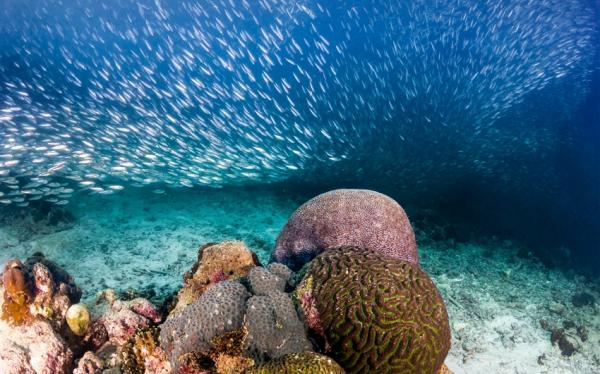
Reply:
x=346, y=217
x=376, y=314
x=305, y=362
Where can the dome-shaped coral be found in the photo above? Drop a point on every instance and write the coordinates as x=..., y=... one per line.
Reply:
x=375, y=314
x=219, y=310
x=302, y=363
x=346, y=217
x=78, y=319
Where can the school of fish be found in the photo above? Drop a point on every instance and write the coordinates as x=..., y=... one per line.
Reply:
x=97, y=96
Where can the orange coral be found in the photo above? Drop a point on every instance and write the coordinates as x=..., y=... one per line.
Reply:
x=17, y=294
x=139, y=347
x=216, y=262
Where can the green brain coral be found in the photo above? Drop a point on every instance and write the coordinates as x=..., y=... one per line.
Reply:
x=301, y=363
x=375, y=314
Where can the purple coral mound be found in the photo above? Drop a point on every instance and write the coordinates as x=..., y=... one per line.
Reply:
x=219, y=310
x=346, y=217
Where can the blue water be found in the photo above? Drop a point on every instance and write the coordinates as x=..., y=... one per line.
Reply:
x=486, y=111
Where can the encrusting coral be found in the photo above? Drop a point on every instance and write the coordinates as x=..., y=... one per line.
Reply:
x=375, y=313
x=303, y=363
x=346, y=217
x=89, y=363
x=274, y=328
x=33, y=348
x=17, y=294
x=228, y=260
x=123, y=318
x=140, y=348
x=34, y=298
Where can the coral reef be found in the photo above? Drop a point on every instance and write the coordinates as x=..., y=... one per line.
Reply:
x=305, y=362
x=346, y=217
x=262, y=310
x=33, y=348
x=273, y=327
x=216, y=262
x=141, y=353
x=219, y=310
x=123, y=318
x=34, y=298
x=17, y=293
x=89, y=364
x=375, y=313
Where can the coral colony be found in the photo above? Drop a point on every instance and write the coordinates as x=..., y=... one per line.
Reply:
x=358, y=302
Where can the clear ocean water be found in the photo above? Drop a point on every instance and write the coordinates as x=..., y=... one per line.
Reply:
x=134, y=132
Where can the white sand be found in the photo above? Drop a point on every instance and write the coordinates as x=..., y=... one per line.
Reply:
x=495, y=303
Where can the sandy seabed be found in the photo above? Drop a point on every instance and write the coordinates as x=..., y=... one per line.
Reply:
x=502, y=306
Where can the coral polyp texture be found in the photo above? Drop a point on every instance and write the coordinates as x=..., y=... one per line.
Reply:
x=375, y=314
x=346, y=217
x=219, y=310
x=305, y=362
x=273, y=327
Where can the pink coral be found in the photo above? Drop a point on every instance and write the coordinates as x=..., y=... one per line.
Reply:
x=34, y=348
x=217, y=276
x=346, y=217
x=89, y=364
x=157, y=362
x=123, y=318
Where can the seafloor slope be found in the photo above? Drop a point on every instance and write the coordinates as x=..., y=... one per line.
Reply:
x=504, y=306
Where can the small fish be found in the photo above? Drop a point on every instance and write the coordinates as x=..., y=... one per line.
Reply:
x=222, y=92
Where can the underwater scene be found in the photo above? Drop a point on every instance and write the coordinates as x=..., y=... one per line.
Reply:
x=299, y=186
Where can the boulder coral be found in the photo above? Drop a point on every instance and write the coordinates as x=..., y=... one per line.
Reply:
x=374, y=313
x=254, y=309
x=346, y=217
x=219, y=310
x=274, y=328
